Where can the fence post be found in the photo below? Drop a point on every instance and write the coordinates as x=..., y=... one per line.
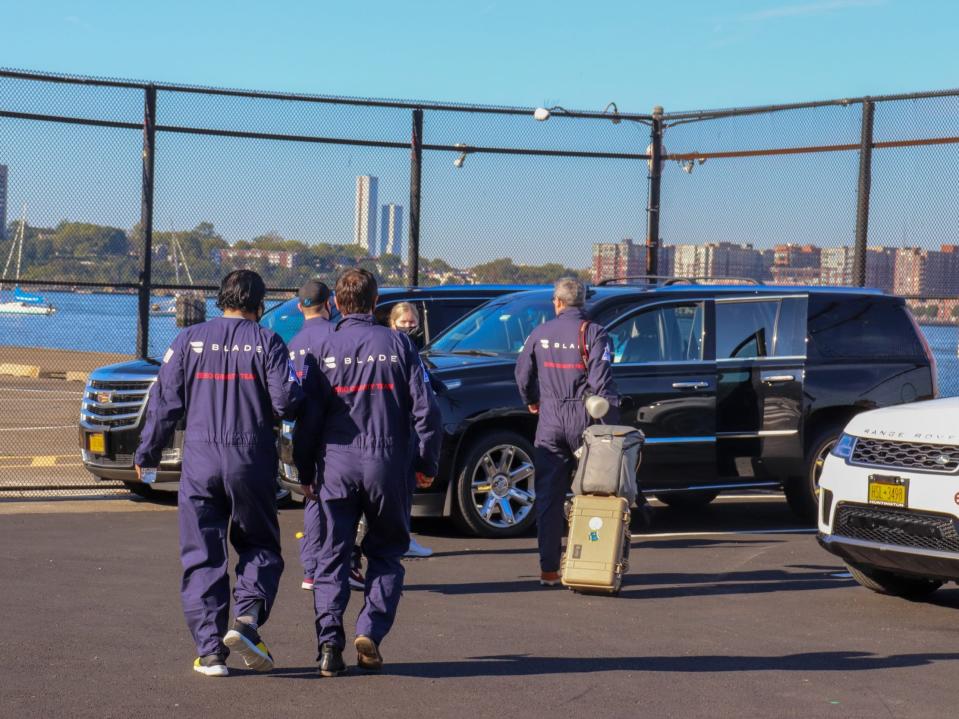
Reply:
x=862, y=199
x=416, y=167
x=655, y=182
x=146, y=222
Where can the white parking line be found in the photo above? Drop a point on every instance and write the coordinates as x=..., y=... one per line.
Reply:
x=36, y=429
x=796, y=530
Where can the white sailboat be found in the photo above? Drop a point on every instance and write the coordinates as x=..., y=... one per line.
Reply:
x=167, y=308
x=23, y=303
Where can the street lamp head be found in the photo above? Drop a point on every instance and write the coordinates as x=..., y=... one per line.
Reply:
x=541, y=114
x=458, y=162
x=615, y=119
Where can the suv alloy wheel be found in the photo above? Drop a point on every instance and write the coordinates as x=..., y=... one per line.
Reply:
x=494, y=487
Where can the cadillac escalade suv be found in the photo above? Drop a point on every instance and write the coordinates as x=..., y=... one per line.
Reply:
x=114, y=400
x=735, y=387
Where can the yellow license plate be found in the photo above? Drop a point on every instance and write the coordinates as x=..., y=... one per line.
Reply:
x=97, y=443
x=888, y=491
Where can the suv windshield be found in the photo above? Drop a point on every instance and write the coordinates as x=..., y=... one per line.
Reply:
x=496, y=328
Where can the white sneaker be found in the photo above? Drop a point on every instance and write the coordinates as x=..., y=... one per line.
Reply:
x=211, y=665
x=417, y=550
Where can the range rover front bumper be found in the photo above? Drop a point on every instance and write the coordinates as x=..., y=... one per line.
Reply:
x=901, y=560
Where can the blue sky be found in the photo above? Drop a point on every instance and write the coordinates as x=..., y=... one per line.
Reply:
x=682, y=55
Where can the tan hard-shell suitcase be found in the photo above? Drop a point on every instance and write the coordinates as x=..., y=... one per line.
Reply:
x=597, y=548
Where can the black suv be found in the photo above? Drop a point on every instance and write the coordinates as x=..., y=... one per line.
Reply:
x=735, y=387
x=112, y=409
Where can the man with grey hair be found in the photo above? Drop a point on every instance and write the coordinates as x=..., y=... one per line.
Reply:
x=562, y=361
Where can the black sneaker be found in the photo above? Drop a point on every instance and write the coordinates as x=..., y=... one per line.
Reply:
x=212, y=665
x=368, y=655
x=331, y=660
x=245, y=641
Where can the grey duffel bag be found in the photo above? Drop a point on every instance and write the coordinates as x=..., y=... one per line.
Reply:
x=608, y=462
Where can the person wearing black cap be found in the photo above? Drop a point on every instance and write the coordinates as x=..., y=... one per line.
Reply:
x=314, y=303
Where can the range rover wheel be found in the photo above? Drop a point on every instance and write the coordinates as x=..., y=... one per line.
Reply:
x=139, y=489
x=802, y=493
x=494, y=486
x=896, y=585
x=687, y=500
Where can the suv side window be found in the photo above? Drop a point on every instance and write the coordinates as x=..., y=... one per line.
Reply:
x=745, y=329
x=857, y=328
x=441, y=313
x=665, y=333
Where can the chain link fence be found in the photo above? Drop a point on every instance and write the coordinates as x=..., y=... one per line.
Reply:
x=117, y=195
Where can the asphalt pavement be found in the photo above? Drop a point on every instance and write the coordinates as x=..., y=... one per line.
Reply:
x=38, y=436
x=734, y=611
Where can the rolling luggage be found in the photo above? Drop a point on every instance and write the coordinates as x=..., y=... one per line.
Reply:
x=597, y=548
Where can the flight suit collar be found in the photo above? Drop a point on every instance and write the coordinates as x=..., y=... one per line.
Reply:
x=573, y=313
x=355, y=319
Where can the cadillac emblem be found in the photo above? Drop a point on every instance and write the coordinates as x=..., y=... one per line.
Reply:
x=104, y=397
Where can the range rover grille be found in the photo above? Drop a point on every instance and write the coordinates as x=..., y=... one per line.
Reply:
x=900, y=527
x=938, y=458
x=113, y=405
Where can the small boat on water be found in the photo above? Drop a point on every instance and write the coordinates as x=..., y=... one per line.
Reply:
x=22, y=303
x=166, y=308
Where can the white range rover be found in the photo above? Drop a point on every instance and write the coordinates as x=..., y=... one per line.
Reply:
x=889, y=498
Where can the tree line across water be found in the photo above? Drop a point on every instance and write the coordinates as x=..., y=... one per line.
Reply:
x=84, y=252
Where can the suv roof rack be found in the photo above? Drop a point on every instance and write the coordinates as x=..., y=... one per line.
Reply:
x=669, y=280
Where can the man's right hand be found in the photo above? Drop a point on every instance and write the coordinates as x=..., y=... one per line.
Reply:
x=533, y=408
x=309, y=491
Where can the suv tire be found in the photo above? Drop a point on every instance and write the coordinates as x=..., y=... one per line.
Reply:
x=897, y=585
x=496, y=475
x=687, y=501
x=802, y=492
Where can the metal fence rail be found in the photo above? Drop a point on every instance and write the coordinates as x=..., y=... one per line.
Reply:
x=130, y=190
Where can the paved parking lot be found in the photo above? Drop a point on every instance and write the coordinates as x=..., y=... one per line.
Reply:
x=38, y=436
x=731, y=612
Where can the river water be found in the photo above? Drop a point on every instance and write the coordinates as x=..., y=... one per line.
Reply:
x=108, y=323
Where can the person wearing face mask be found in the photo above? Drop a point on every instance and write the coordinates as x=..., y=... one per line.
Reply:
x=229, y=379
x=404, y=318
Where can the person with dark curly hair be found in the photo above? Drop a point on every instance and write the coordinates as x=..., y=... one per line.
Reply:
x=230, y=379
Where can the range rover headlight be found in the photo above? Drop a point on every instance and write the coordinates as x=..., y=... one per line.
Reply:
x=843, y=448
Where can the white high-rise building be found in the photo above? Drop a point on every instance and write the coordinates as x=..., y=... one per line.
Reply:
x=391, y=230
x=3, y=202
x=364, y=227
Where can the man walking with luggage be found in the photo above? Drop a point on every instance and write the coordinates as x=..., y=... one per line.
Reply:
x=562, y=360
x=374, y=392
x=230, y=379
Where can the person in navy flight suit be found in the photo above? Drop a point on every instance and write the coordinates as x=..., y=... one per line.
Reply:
x=230, y=379
x=374, y=392
x=314, y=303
x=562, y=360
